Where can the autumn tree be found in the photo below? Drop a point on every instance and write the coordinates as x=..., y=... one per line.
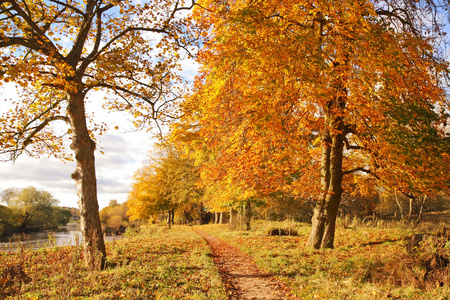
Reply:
x=314, y=97
x=114, y=215
x=58, y=52
x=166, y=183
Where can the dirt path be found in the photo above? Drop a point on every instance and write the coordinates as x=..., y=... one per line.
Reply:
x=243, y=279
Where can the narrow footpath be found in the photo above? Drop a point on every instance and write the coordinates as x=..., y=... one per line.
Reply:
x=242, y=278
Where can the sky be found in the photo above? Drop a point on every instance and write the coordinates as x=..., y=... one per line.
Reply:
x=125, y=151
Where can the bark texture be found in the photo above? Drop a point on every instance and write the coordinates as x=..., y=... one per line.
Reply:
x=325, y=212
x=86, y=183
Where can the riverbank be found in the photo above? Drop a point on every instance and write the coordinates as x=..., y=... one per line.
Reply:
x=69, y=235
x=157, y=263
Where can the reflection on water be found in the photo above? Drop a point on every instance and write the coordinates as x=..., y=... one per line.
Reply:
x=66, y=236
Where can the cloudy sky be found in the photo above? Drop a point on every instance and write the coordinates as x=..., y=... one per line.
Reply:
x=125, y=151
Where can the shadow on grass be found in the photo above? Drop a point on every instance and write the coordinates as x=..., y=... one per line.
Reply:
x=380, y=242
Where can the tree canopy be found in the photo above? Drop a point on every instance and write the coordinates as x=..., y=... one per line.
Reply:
x=166, y=183
x=317, y=97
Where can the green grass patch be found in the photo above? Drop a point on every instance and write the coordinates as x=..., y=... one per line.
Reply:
x=156, y=263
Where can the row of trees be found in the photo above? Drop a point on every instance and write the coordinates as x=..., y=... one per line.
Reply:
x=311, y=99
x=30, y=209
x=162, y=189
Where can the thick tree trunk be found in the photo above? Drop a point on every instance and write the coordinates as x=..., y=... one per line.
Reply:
x=221, y=218
x=325, y=212
x=216, y=217
x=86, y=183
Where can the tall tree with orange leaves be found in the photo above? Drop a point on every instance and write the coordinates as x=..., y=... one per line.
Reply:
x=58, y=52
x=314, y=97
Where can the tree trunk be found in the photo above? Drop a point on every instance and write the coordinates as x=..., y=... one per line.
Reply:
x=170, y=218
x=410, y=209
x=422, y=204
x=231, y=216
x=325, y=212
x=86, y=183
x=221, y=218
x=247, y=216
x=201, y=213
x=26, y=220
x=216, y=217
x=169, y=221
x=400, y=207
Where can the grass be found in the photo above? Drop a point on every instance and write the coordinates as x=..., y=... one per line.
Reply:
x=367, y=262
x=155, y=264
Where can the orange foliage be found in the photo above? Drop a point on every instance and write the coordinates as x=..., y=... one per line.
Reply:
x=275, y=76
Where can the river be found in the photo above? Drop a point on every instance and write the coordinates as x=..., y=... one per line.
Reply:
x=65, y=236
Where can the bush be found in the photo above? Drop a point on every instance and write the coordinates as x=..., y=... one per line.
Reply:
x=282, y=232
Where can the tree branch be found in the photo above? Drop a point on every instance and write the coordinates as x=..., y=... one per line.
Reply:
x=41, y=126
x=360, y=169
x=351, y=147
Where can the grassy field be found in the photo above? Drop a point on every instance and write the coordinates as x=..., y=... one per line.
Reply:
x=369, y=262
x=157, y=263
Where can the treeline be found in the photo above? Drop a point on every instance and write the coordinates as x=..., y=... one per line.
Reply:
x=30, y=209
x=170, y=188
x=315, y=111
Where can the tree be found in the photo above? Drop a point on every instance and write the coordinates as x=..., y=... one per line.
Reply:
x=63, y=215
x=114, y=215
x=7, y=194
x=166, y=184
x=7, y=220
x=37, y=209
x=58, y=52
x=312, y=97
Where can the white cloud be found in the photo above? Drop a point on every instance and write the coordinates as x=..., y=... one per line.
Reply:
x=123, y=154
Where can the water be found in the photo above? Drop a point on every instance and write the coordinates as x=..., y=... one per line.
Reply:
x=66, y=236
